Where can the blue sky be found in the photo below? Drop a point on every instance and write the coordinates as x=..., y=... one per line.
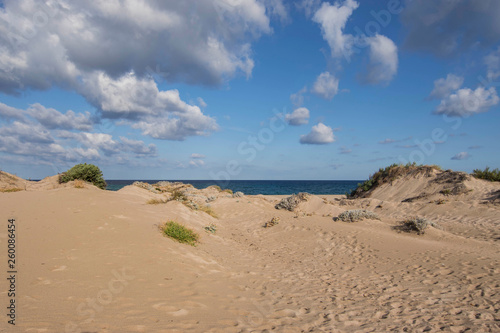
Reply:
x=248, y=89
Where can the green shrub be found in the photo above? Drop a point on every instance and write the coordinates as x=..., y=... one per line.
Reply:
x=491, y=175
x=86, y=172
x=180, y=233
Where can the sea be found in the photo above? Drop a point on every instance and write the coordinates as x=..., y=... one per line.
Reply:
x=266, y=187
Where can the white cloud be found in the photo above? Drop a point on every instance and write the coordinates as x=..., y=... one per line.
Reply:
x=72, y=39
x=197, y=156
x=201, y=102
x=383, y=64
x=461, y=156
x=8, y=112
x=443, y=87
x=159, y=114
x=326, y=85
x=333, y=19
x=197, y=163
x=298, y=117
x=52, y=119
x=492, y=62
x=465, y=102
x=27, y=132
x=387, y=141
x=298, y=98
x=138, y=147
x=320, y=134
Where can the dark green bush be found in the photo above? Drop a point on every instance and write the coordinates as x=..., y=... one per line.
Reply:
x=491, y=175
x=86, y=172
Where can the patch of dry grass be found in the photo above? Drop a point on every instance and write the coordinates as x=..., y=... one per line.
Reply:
x=10, y=190
x=78, y=183
x=208, y=210
x=157, y=201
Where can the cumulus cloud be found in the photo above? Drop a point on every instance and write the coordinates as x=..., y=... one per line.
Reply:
x=68, y=40
x=8, y=112
x=298, y=98
x=298, y=117
x=159, y=114
x=53, y=119
x=466, y=102
x=197, y=156
x=461, y=156
x=383, y=64
x=492, y=62
x=326, y=85
x=320, y=134
x=43, y=135
x=333, y=19
x=443, y=27
x=444, y=86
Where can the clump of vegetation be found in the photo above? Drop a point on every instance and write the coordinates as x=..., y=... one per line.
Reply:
x=273, y=222
x=212, y=228
x=292, y=201
x=10, y=190
x=78, y=183
x=156, y=201
x=208, y=210
x=357, y=215
x=86, y=172
x=215, y=187
x=178, y=196
x=389, y=174
x=491, y=175
x=227, y=190
x=180, y=233
x=415, y=224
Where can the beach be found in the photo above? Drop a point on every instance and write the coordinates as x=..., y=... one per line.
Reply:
x=89, y=260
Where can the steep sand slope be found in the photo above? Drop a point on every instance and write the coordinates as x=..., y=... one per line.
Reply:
x=94, y=261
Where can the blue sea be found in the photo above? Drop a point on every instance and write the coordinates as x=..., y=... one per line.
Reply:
x=266, y=187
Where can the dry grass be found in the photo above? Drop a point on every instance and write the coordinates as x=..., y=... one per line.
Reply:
x=78, y=183
x=356, y=215
x=10, y=190
x=157, y=201
x=208, y=210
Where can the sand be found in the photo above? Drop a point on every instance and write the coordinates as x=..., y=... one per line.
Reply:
x=94, y=261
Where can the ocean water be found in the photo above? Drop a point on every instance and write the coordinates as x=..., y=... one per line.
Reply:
x=266, y=187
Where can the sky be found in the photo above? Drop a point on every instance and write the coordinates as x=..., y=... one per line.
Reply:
x=248, y=89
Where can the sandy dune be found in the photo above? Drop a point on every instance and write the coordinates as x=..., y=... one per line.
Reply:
x=94, y=261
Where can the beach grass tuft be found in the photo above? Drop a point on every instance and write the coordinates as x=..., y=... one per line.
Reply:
x=156, y=201
x=180, y=233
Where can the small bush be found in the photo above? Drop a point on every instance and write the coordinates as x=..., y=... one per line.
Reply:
x=228, y=191
x=212, y=228
x=416, y=224
x=179, y=196
x=272, y=223
x=180, y=233
x=491, y=175
x=290, y=203
x=356, y=215
x=86, y=172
